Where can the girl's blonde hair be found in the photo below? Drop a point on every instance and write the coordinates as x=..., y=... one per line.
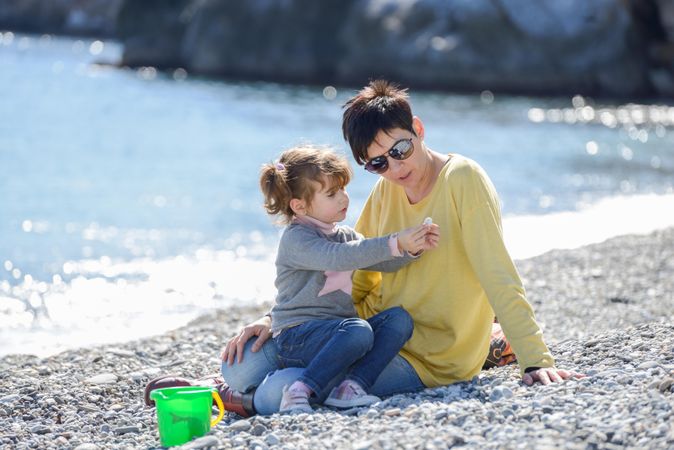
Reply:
x=293, y=174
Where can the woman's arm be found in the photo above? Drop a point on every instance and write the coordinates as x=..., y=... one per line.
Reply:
x=483, y=241
x=260, y=328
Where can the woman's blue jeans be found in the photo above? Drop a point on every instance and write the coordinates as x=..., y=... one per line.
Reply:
x=269, y=372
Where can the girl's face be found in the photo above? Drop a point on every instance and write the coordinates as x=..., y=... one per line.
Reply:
x=329, y=204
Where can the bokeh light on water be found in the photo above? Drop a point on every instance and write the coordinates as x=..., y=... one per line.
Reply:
x=129, y=200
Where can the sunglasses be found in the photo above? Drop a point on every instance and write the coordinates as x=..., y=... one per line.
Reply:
x=401, y=150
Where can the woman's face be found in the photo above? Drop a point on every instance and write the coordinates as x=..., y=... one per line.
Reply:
x=409, y=172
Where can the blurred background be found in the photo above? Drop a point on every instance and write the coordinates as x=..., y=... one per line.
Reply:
x=132, y=132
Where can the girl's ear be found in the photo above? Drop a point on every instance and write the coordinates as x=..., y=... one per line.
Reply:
x=418, y=127
x=298, y=206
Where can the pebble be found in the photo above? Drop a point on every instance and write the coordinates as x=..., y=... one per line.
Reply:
x=202, y=442
x=240, y=425
x=9, y=398
x=40, y=429
x=127, y=429
x=665, y=384
x=648, y=365
x=87, y=446
x=272, y=439
x=103, y=378
x=258, y=430
x=500, y=392
x=392, y=412
x=120, y=352
x=257, y=445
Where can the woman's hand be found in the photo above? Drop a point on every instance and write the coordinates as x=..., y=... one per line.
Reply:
x=432, y=238
x=549, y=375
x=260, y=328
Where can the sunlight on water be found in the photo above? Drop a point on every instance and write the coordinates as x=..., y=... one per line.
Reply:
x=104, y=301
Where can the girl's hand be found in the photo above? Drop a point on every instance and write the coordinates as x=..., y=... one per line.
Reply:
x=260, y=328
x=412, y=240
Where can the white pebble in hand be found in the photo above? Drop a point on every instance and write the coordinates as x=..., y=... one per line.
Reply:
x=428, y=221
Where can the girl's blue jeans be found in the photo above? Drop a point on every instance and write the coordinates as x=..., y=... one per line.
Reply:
x=380, y=375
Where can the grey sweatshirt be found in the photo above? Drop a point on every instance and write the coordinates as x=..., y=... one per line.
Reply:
x=305, y=253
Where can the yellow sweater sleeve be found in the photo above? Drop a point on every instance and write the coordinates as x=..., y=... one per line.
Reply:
x=482, y=238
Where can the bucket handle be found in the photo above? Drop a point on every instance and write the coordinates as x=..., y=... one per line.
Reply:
x=221, y=408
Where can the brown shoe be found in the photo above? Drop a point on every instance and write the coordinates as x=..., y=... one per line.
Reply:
x=500, y=351
x=234, y=401
x=237, y=402
x=164, y=381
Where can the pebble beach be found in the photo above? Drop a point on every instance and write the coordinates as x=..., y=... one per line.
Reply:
x=607, y=310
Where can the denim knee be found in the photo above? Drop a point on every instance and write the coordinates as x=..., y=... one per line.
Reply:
x=268, y=395
x=361, y=336
x=252, y=370
x=402, y=321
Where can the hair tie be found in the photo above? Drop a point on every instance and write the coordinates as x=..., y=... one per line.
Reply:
x=280, y=166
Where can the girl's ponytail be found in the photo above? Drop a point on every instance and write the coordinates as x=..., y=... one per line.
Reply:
x=276, y=192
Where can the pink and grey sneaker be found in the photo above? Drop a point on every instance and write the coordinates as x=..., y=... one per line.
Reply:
x=350, y=394
x=294, y=400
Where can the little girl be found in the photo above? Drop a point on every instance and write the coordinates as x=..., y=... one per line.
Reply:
x=314, y=322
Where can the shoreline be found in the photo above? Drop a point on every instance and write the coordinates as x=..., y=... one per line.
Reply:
x=605, y=309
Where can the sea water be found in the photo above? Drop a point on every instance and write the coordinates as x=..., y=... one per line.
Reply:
x=129, y=200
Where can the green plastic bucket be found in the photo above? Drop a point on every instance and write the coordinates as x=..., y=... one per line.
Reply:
x=184, y=413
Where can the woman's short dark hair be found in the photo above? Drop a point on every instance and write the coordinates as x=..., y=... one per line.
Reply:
x=381, y=105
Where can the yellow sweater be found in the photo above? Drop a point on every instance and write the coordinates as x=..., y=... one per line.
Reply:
x=453, y=291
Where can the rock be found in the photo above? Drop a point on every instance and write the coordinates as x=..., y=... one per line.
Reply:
x=103, y=378
x=272, y=439
x=9, y=398
x=648, y=365
x=598, y=46
x=666, y=384
x=153, y=32
x=500, y=392
x=126, y=429
x=91, y=17
x=257, y=445
x=40, y=429
x=121, y=352
x=240, y=425
x=87, y=446
x=258, y=430
x=202, y=442
x=363, y=445
x=392, y=412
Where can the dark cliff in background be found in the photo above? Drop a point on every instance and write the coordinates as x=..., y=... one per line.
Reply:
x=621, y=48
x=72, y=17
